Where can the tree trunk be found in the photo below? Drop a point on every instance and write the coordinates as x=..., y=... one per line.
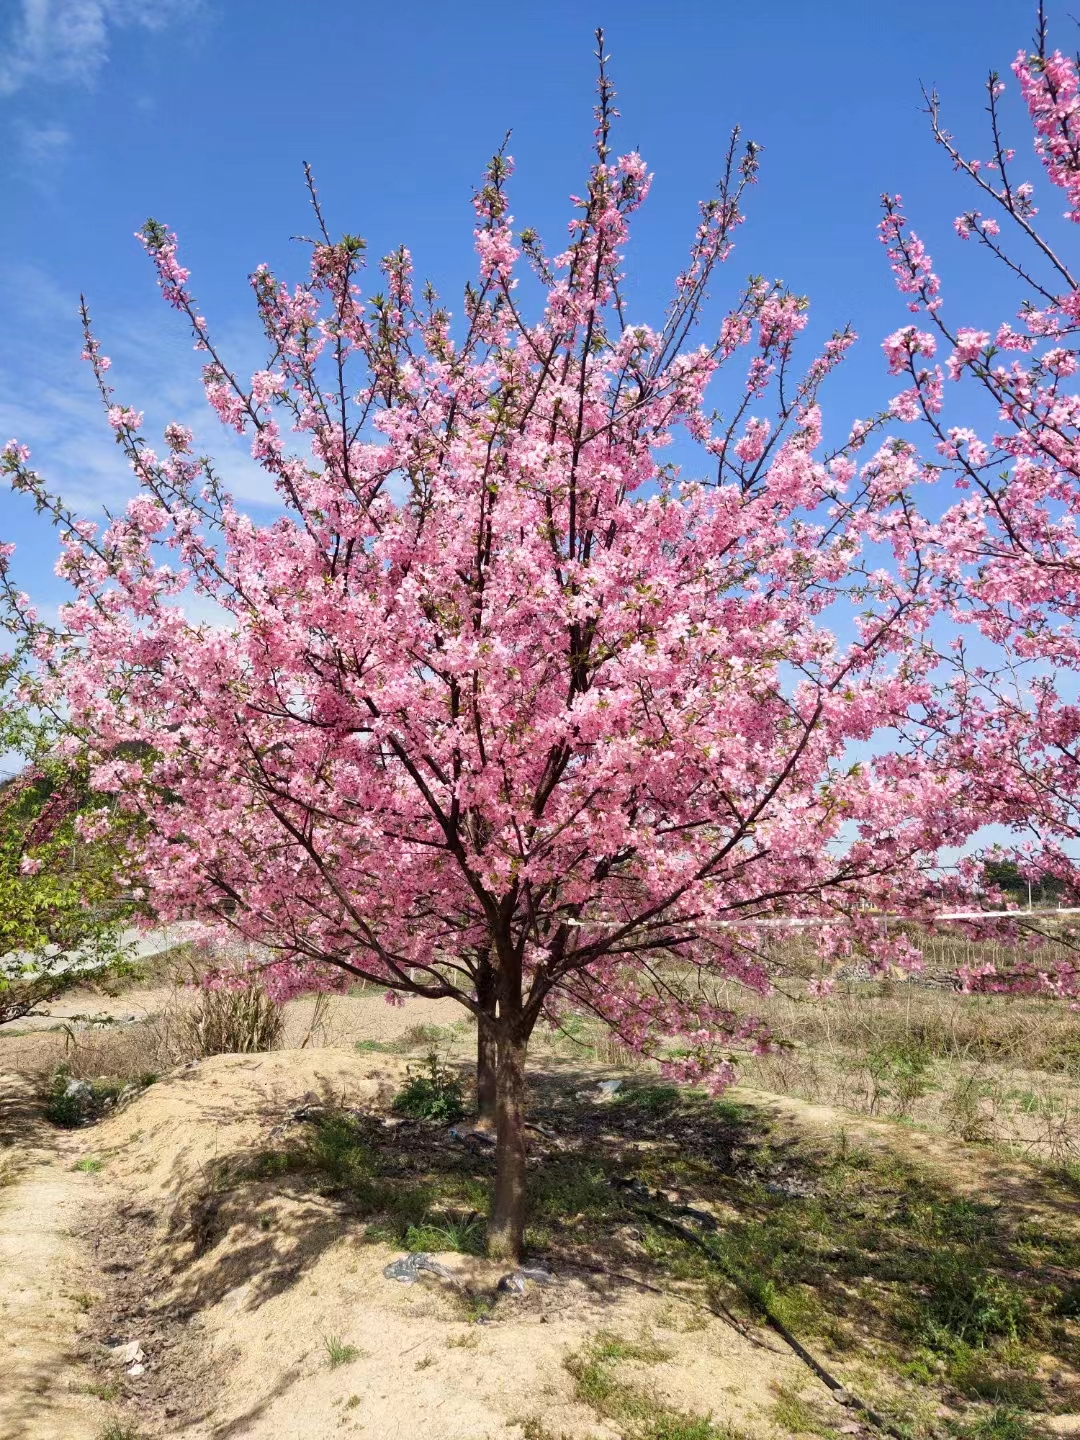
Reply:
x=487, y=1063
x=506, y=1228
x=487, y=1051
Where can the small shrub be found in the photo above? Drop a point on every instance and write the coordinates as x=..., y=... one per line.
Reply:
x=338, y=1353
x=231, y=1022
x=89, y=1166
x=432, y=1094
x=70, y=1103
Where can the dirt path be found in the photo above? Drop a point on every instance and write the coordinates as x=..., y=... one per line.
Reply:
x=42, y=1394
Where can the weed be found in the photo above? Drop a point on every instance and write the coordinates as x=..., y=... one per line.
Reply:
x=533, y=1428
x=89, y=1166
x=792, y=1415
x=464, y=1234
x=379, y=1046
x=474, y=1307
x=119, y=1430
x=652, y=1100
x=899, y=1070
x=338, y=1353
x=641, y=1413
x=82, y=1300
x=352, y=1402
x=969, y=1305
x=337, y=1148
x=417, y=1035
x=108, y=1391
x=467, y=1340
x=433, y=1094
x=1000, y=1424
x=425, y=1362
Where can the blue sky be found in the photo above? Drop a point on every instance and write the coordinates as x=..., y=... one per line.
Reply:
x=200, y=112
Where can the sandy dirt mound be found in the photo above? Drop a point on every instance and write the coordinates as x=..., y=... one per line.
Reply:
x=219, y=1108
x=237, y=1296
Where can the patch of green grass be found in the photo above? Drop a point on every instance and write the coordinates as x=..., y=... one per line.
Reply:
x=463, y=1233
x=379, y=1046
x=89, y=1165
x=104, y=1390
x=793, y=1416
x=474, y=1306
x=969, y=1305
x=566, y=1190
x=640, y=1413
x=434, y=1093
x=1001, y=1424
x=338, y=1353
x=653, y=1100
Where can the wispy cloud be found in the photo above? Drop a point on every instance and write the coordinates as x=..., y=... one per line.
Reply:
x=66, y=42
x=42, y=143
x=48, y=400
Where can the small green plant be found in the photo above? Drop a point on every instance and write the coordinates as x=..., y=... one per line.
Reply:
x=793, y=1416
x=82, y=1300
x=338, y=1353
x=108, y=1391
x=653, y=1100
x=420, y=1035
x=352, y=1402
x=639, y=1412
x=533, y=1428
x=89, y=1165
x=967, y=1304
x=425, y=1362
x=434, y=1093
x=464, y=1234
x=119, y=1430
x=468, y=1340
x=899, y=1070
x=1000, y=1424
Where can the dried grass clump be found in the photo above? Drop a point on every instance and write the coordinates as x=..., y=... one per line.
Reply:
x=230, y=1022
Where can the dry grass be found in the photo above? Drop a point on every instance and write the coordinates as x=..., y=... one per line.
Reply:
x=988, y=1068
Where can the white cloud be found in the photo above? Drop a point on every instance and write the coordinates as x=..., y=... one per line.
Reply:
x=66, y=42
